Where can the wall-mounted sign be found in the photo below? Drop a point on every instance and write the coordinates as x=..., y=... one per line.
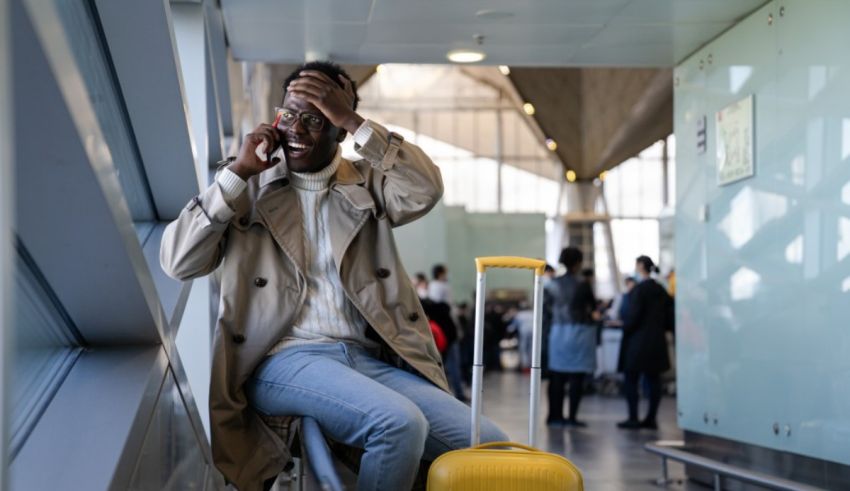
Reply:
x=702, y=134
x=735, y=149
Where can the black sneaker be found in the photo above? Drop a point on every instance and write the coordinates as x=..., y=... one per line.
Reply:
x=576, y=423
x=649, y=424
x=629, y=424
x=556, y=422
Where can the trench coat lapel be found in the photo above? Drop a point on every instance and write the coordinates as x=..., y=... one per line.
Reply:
x=281, y=211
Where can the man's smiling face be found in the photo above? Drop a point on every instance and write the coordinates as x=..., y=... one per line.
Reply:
x=307, y=149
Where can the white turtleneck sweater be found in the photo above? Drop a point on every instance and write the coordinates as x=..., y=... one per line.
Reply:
x=327, y=314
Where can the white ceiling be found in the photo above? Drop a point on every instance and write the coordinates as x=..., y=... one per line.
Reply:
x=634, y=33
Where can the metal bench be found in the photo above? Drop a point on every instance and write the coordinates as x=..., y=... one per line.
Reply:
x=675, y=450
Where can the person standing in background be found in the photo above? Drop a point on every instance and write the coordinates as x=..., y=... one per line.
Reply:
x=440, y=295
x=548, y=275
x=671, y=282
x=420, y=284
x=643, y=350
x=439, y=289
x=620, y=308
x=572, y=340
x=523, y=325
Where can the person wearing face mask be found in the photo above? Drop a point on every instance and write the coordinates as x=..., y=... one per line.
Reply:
x=643, y=349
x=317, y=315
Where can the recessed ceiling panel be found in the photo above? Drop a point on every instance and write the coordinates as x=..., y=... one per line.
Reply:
x=686, y=11
x=628, y=33
x=494, y=35
x=567, y=12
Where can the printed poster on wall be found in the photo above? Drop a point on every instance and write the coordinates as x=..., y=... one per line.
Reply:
x=735, y=155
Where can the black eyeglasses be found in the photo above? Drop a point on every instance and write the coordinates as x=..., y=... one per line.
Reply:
x=286, y=118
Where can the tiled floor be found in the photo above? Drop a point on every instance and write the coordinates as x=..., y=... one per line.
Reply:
x=610, y=459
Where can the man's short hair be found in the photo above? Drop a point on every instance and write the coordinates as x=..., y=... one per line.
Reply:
x=571, y=257
x=420, y=277
x=437, y=271
x=330, y=69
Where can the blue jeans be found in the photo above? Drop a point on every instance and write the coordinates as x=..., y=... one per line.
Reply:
x=451, y=362
x=397, y=417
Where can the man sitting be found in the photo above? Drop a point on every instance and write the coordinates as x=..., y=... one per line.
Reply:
x=316, y=314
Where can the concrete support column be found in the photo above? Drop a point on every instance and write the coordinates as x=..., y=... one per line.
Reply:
x=582, y=214
x=580, y=217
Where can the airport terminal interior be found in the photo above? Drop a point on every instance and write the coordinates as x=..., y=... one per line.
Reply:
x=681, y=167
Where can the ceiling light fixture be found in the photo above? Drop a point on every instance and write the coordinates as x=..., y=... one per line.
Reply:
x=571, y=176
x=379, y=69
x=465, y=55
x=551, y=144
x=528, y=108
x=505, y=69
x=603, y=175
x=492, y=14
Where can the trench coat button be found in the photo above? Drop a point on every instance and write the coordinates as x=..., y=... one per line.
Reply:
x=244, y=221
x=413, y=317
x=260, y=281
x=238, y=338
x=383, y=273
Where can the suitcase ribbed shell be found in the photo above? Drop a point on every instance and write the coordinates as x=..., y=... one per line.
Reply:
x=484, y=469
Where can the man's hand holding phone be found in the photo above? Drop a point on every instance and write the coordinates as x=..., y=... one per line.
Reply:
x=248, y=163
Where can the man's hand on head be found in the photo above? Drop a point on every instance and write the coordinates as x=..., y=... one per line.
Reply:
x=247, y=163
x=335, y=102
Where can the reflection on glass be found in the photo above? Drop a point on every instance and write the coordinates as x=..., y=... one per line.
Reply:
x=843, y=237
x=845, y=285
x=750, y=210
x=794, y=251
x=845, y=194
x=798, y=170
x=845, y=138
x=90, y=53
x=743, y=284
x=817, y=80
x=738, y=76
x=171, y=457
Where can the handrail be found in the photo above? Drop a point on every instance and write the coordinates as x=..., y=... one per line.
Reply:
x=319, y=456
x=721, y=469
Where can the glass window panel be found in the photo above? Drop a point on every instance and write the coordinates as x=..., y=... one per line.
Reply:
x=633, y=238
x=650, y=190
x=171, y=457
x=85, y=42
x=44, y=350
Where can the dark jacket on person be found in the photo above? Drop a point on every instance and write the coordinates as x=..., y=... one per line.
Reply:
x=572, y=300
x=649, y=316
x=441, y=313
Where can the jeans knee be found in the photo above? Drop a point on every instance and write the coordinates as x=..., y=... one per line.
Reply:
x=409, y=425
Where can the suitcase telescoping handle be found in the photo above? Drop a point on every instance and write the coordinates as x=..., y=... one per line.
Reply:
x=482, y=264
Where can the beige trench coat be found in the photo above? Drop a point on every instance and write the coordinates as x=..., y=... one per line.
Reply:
x=255, y=245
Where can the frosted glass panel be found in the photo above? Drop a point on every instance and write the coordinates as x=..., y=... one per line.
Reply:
x=763, y=270
x=171, y=457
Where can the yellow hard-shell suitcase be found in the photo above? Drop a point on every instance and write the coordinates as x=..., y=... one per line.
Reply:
x=504, y=466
